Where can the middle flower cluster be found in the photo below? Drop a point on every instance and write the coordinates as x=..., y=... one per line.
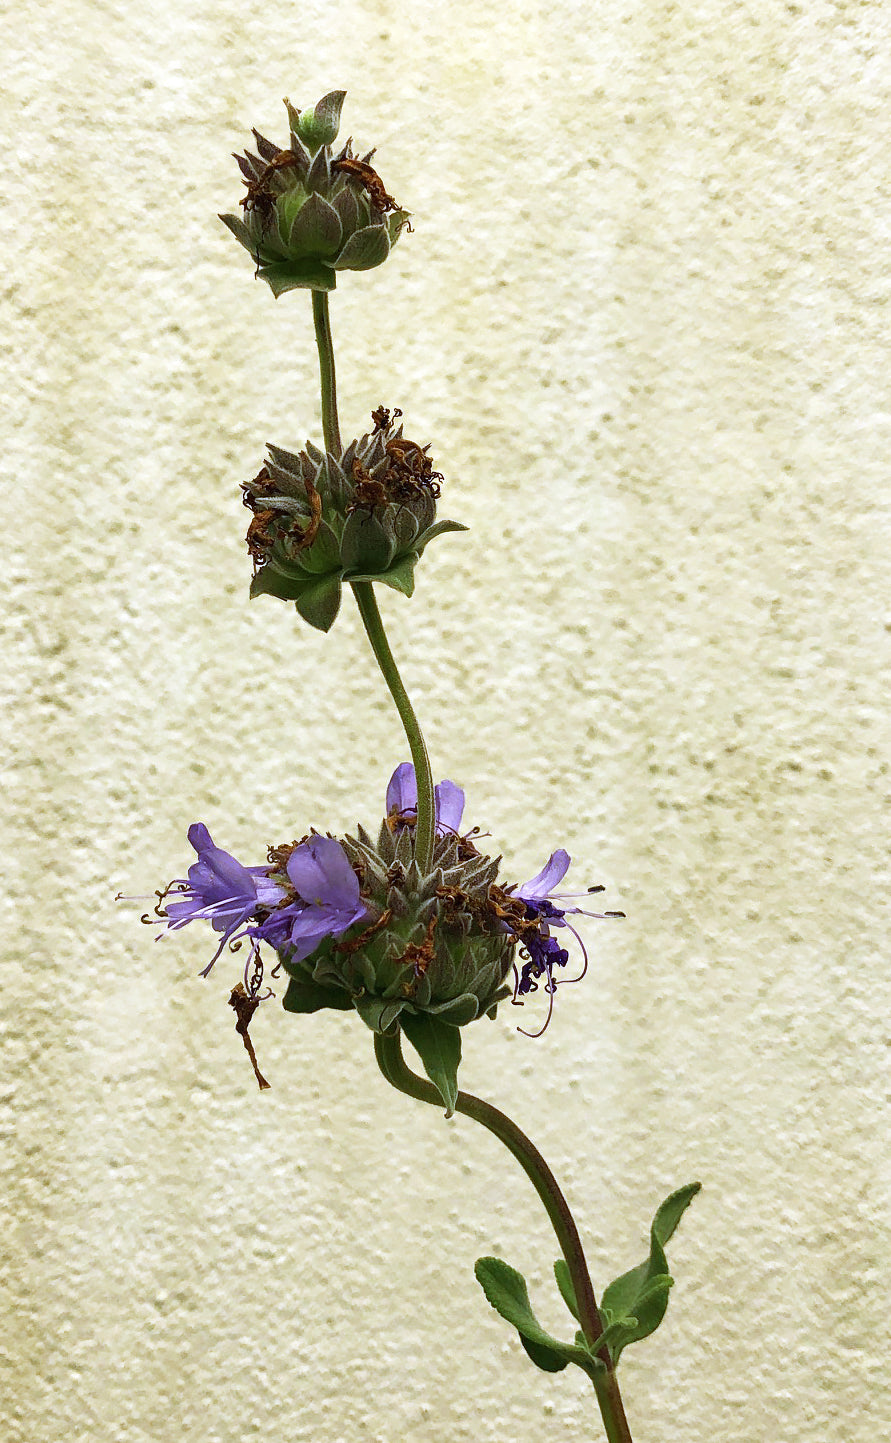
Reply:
x=364, y=515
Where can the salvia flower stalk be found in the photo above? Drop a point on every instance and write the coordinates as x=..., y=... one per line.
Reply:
x=412, y=925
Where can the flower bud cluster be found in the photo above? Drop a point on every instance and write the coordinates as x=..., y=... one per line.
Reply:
x=309, y=213
x=364, y=515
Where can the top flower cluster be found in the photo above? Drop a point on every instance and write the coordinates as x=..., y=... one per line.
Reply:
x=308, y=213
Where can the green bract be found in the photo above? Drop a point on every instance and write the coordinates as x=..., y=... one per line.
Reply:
x=309, y=213
x=432, y=946
x=320, y=520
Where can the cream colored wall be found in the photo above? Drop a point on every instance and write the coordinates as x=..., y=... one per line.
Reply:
x=642, y=320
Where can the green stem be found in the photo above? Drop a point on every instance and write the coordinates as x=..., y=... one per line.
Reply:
x=330, y=425
x=374, y=627
x=388, y=1051
x=368, y=607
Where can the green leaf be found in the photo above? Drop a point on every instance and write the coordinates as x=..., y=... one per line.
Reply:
x=545, y=1358
x=324, y=553
x=397, y=220
x=378, y=1013
x=271, y=582
x=365, y=547
x=317, y=598
x=319, y=124
x=634, y=1304
x=319, y=603
x=308, y=275
x=304, y=995
x=457, y=1011
x=567, y=1291
x=401, y=575
x=438, y=529
x=506, y=1290
x=240, y=231
x=365, y=249
x=316, y=229
x=438, y=1044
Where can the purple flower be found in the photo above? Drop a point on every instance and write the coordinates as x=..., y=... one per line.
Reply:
x=542, y=951
x=402, y=802
x=219, y=890
x=327, y=900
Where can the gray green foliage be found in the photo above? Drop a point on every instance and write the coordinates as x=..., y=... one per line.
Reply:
x=632, y=1307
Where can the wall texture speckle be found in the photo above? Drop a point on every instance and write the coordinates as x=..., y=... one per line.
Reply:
x=642, y=320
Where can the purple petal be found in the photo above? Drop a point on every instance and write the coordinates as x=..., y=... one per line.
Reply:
x=218, y=875
x=320, y=873
x=315, y=923
x=308, y=931
x=543, y=882
x=449, y=801
x=200, y=837
x=402, y=789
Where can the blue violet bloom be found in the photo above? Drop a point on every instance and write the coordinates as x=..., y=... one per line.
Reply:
x=402, y=802
x=219, y=890
x=532, y=928
x=326, y=900
x=310, y=890
x=321, y=898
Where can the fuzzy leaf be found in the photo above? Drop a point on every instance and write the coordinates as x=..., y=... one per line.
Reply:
x=324, y=553
x=365, y=546
x=397, y=220
x=305, y=995
x=634, y=1304
x=439, y=529
x=306, y=275
x=547, y=1359
x=319, y=602
x=378, y=1013
x=271, y=582
x=567, y=1291
x=438, y=1044
x=319, y=125
x=240, y=231
x=316, y=229
x=401, y=575
x=458, y=1011
x=346, y=205
x=506, y=1290
x=318, y=177
x=365, y=249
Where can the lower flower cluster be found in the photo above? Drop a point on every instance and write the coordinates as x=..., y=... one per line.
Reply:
x=355, y=923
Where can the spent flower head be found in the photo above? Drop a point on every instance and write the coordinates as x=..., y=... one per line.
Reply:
x=366, y=514
x=308, y=213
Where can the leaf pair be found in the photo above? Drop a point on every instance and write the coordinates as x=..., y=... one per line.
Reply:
x=632, y=1306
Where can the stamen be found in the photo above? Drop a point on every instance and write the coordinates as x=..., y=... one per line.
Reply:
x=551, y=990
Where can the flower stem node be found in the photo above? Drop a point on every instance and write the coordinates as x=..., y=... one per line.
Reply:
x=308, y=213
x=364, y=515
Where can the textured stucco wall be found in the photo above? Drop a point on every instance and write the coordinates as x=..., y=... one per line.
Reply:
x=643, y=321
